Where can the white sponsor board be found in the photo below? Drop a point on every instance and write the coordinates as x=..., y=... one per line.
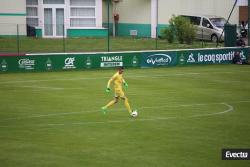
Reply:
x=111, y=61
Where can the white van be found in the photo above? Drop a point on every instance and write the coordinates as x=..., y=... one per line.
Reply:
x=208, y=27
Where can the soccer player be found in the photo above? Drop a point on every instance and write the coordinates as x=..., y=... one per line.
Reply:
x=118, y=81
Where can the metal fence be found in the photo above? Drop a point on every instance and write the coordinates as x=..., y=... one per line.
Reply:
x=19, y=39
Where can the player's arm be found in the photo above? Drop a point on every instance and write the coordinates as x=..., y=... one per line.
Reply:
x=124, y=82
x=109, y=83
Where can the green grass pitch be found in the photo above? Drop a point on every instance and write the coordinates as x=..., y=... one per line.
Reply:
x=186, y=116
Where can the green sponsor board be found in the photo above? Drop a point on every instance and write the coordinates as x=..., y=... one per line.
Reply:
x=156, y=59
x=80, y=61
x=40, y=63
x=211, y=56
x=58, y=62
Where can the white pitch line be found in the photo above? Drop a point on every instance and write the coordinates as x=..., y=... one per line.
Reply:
x=42, y=87
x=47, y=80
x=51, y=88
x=128, y=76
x=93, y=111
x=47, y=115
x=95, y=78
x=230, y=108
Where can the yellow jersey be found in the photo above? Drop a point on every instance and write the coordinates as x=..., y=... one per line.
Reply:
x=118, y=80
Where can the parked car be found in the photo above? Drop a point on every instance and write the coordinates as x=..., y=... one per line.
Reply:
x=208, y=27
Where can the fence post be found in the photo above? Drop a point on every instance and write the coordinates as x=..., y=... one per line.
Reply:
x=202, y=40
x=156, y=39
x=108, y=24
x=64, y=47
x=157, y=17
x=248, y=28
x=17, y=39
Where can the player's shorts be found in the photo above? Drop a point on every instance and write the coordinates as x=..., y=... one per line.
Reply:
x=119, y=93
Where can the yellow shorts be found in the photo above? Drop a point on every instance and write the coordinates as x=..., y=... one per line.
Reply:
x=119, y=93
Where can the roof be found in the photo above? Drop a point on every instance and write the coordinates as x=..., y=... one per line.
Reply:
x=202, y=15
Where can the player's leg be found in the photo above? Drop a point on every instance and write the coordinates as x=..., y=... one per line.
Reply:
x=112, y=102
x=126, y=103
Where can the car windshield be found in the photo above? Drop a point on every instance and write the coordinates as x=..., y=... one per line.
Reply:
x=218, y=22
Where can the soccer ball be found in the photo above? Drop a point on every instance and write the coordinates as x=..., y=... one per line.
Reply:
x=134, y=113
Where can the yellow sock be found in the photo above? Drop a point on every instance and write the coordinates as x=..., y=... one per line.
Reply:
x=127, y=105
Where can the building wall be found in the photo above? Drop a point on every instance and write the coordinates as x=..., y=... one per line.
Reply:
x=133, y=14
x=204, y=7
x=13, y=6
x=134, y=11
x=221, y=8
x=12, y=13
x=136, y=15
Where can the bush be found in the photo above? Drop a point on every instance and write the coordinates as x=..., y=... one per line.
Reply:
x=181, y=28
x=179, y=23
x=168, y=34
x=189, y=33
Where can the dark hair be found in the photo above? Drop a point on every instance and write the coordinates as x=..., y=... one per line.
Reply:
x=120, y=68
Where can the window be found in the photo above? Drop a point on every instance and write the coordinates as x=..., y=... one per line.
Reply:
x=82, y=2
x=82, y=22
x=53, y=1
x=195, y=20
x=82, y=13
x=218, y=22
x=33, y=22
x=32, y=13
x=32, y=2
x=206, y=23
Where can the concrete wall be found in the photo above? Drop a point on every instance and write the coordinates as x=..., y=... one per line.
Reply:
x=134, y=11
x=13, y=6
x=205, y=7
x=139, y=11
x=8, y=25
x=136, y=14
x=12, y=12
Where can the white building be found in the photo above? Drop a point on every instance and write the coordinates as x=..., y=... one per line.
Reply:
x=75, y=18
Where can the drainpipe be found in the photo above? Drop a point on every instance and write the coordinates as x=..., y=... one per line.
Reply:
x=115, y=17
x=114, y=11
x=108, y=6
x=153, y=18
x=248, y=31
